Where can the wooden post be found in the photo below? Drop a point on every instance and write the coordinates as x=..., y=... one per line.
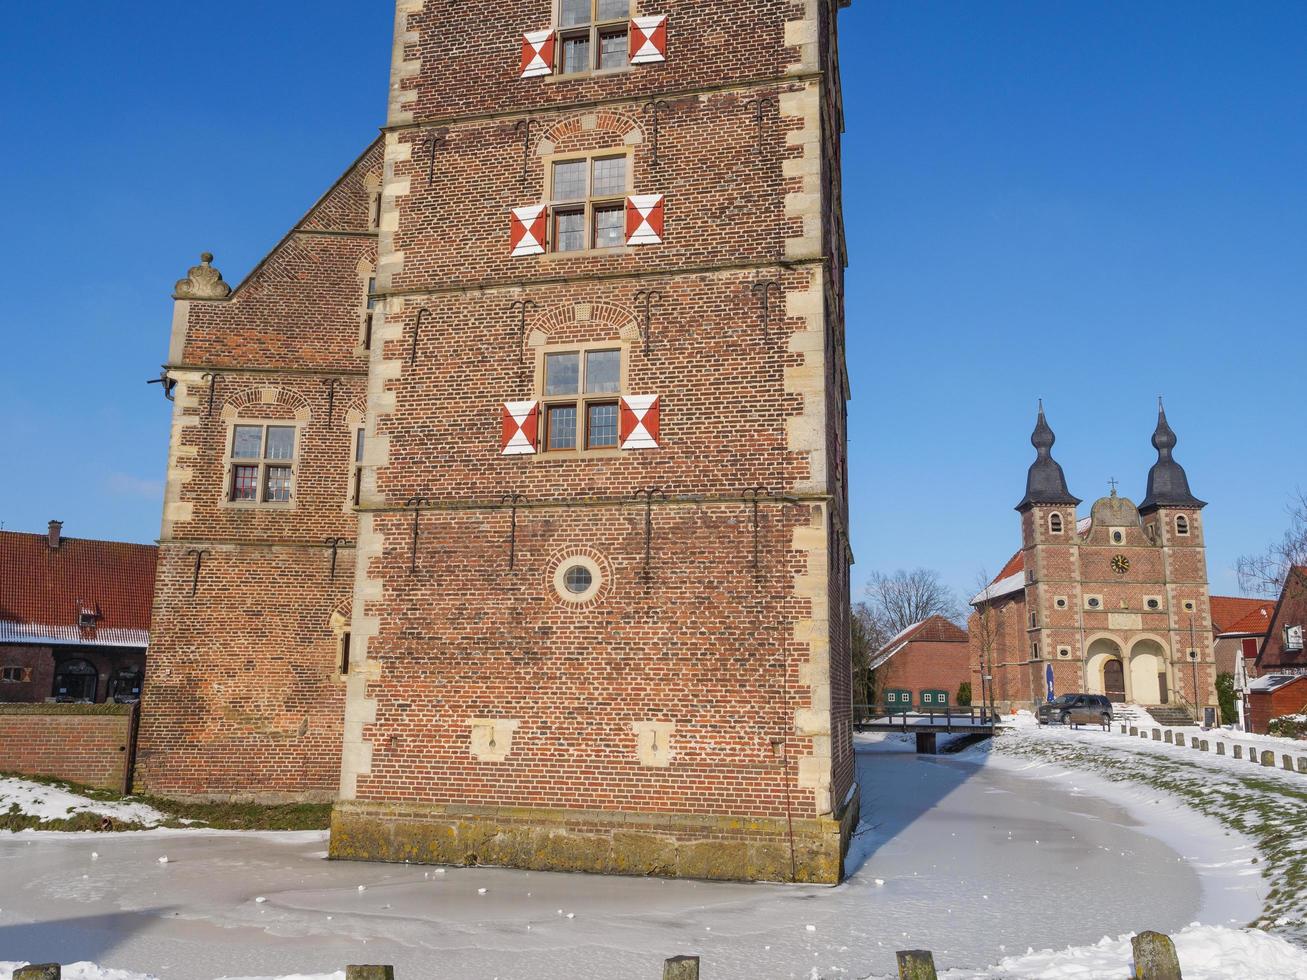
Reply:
x=681, y=968
x=1155, y=957
x=369, y=973
x=39, y=971
x=916, y=964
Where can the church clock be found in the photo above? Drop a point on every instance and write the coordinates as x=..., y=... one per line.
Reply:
x=1120, y=564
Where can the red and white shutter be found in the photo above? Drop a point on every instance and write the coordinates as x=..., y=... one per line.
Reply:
x=648, y=39
x=638, y=422
x=526, y=230
x=521, y=424
x=537, y=54
x=644, y=219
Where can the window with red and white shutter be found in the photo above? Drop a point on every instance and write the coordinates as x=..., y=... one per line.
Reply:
x=538, y=54
x=527, y=227
x=639, y=422
x=648, y=39
x=521, y=426
x=644, y=219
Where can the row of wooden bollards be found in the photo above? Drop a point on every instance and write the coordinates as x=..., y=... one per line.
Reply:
x=1154, y=955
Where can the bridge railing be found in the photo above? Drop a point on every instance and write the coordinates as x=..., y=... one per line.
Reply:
x=880, y=716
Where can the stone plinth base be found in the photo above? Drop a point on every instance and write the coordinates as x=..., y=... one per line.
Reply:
x=673, y=845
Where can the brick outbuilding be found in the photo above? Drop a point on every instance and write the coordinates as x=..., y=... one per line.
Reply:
x=923, y=667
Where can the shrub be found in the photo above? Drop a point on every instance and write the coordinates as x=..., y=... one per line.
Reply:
x=964, y=694
x=1288, y=726
x=1225, y=697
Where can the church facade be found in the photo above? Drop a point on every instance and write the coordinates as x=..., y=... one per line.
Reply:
x=1116, y=603
x=507, y=498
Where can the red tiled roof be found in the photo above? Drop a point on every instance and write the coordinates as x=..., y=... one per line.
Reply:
x=937, y=629
x=42, y=586
x=1256, y=623
x=1291, y=610
x=1017, y=563
x=1228, y=610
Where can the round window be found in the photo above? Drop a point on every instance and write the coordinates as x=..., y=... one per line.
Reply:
x=1094, y=603
x=578, y=579
x=1153, y=604
x=1118, y=537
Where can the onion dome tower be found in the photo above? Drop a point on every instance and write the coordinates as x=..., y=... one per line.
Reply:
x=1168, y=485
x=1045, y=483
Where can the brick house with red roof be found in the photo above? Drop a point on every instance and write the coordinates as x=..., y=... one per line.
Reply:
x=923, y=666
x=74, y=617
x=1280, y=687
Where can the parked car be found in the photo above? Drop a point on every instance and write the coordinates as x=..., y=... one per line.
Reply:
x=1076, y=709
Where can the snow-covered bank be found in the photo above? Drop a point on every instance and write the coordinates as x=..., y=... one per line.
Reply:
x=47, y=802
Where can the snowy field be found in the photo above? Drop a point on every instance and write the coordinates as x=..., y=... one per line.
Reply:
x=1046, y=838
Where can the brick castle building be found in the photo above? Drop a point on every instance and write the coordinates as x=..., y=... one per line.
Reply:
x=1116, y=603
x=923, y=668
x=507, y=498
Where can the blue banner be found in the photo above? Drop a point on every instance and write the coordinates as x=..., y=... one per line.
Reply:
x=1048, y=678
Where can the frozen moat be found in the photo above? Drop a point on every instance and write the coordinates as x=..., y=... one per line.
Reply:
x=973, y=857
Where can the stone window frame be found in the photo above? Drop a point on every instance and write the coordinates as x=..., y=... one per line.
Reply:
x=596, y=579
x=1181, y=526
x=1034, y=651
x=1160, y=600
x=593, y=29
x=1060, y=602
x=15, y=674
x=228, y=464
x=367, y=276
x=1055, y=523
x=589, y=202
x=1063, y=652
x=1092, y=608
x=580, y=399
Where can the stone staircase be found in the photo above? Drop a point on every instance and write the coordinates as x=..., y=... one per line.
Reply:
x=1124, y=713
x=1172, y=716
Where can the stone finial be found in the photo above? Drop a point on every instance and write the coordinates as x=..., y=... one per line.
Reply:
x=203, y=281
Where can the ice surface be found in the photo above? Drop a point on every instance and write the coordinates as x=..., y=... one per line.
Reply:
x=946, y=860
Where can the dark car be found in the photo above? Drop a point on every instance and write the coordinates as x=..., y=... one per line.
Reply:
x=1076, y=709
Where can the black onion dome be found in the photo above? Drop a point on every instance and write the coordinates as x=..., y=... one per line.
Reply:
x=1045, y=483
x=1168, y=485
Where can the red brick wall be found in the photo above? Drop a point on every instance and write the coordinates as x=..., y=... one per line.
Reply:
x=86, y=744
x=1291, y=699
x=929, y=666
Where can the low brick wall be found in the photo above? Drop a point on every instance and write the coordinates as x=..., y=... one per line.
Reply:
x=89, y=744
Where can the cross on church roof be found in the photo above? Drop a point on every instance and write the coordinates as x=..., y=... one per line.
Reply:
x=1113, y=484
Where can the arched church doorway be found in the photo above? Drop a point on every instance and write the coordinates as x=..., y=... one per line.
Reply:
x=1105, y=670
x=1114, y=680
x=1148, y=677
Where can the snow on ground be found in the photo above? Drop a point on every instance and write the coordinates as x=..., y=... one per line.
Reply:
x=969, y=855
x=58, y=803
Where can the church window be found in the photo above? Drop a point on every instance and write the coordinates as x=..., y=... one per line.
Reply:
x=1094, y=602
x=1118, y=537
x=1060, y=602
x=592, y=35
x=581, y=410
x=1181, y=525
x=369, y=304
x=344, y=653
x=262, y=461
x=589, y=202
x=1034, y=621
x=1034, y=651
x=1064, y=652
x=577, y=579
x=1151, y=531
x=1055, y=523
x=1189, y=605
x=1152, y=602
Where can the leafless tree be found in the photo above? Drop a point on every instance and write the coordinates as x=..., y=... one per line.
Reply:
x=983, y=630
x=1266, y=573
x=892, y=603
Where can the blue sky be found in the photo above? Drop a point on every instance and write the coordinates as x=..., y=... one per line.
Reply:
x=1093, y=203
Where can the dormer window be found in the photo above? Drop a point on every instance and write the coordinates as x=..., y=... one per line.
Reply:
x=592, y=35
x=1181, y=525
x=1055, y=523
x=86, y=616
